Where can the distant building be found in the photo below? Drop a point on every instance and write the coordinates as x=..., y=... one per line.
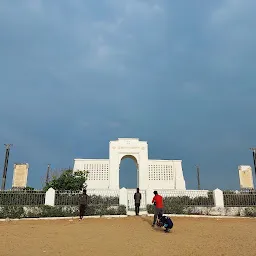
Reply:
x=20, y=175
x=153, y=174
x=245, y=177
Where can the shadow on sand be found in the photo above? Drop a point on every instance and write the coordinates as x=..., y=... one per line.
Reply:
x=149, y=221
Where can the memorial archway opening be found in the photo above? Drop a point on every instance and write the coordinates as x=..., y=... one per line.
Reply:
x=128, y=172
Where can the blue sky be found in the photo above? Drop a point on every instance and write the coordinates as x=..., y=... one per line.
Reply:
x=179, y=74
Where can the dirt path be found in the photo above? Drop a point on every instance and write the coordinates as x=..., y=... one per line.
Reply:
x=128, y=237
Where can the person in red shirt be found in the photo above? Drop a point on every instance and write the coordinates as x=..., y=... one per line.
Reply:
x=159, y=205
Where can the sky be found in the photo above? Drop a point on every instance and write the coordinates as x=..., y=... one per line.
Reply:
x=180, y=75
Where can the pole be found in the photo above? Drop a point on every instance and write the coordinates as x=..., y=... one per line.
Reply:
x=198, y=177
x=7, y=153
x=254, y=159
x=47, y=174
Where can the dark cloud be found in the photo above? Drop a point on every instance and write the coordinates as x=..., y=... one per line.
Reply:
x=179, y=74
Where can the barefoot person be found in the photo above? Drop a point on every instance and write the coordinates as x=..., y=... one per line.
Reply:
x=137, y=198
x=83, y=202
x=158, y=202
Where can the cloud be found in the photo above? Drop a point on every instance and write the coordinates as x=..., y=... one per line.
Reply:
x=113, y=124
x=233, y=11
x=77, y=73
x=232, y=23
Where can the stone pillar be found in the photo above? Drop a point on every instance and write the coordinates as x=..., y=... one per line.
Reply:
x=50, y=197
x=179, y=177
x=123, y=197
x=218, y=198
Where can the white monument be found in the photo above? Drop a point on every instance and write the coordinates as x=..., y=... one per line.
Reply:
x=20, y=175
x=245, y=177
x=151, y=174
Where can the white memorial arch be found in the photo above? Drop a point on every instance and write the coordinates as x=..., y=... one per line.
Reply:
x=151, y=174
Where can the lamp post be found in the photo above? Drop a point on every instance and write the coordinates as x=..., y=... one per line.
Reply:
x=254, y=158
x=7, y=153
x=47, y=174
x=198, y=177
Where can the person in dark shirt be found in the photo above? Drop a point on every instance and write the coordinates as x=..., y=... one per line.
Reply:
x=137, y=198
x=158, y=202
x=83, y=202
x=166, y=222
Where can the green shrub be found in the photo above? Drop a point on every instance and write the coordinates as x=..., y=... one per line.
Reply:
x=250, y=212
x=183, y=204
x=12, y=212
x=174, y=205
x=194, y=211
x=168, y=209
x=59, y=211
x=150, y=209
x=121, y=210
x=56, y=211
x=105, y=210
x=33, y=212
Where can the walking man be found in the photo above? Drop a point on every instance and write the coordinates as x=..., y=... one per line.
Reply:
x=83, y=202
x=137, y=198
x=158, y=202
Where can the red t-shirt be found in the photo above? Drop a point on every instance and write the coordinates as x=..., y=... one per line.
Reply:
x=159, y=201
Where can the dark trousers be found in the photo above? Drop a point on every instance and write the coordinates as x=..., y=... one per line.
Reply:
x=157, y=211
x=170, y=225
x=137, y=208
x=82, y=210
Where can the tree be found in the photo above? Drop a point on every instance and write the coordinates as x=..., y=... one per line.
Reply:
x=28, y=188
x=67, y=181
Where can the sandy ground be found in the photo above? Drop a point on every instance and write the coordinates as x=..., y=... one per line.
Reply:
x=128, y=236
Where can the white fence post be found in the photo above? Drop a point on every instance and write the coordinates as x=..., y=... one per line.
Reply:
x=218, y=198
x=123, y=197
x=50, y=197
